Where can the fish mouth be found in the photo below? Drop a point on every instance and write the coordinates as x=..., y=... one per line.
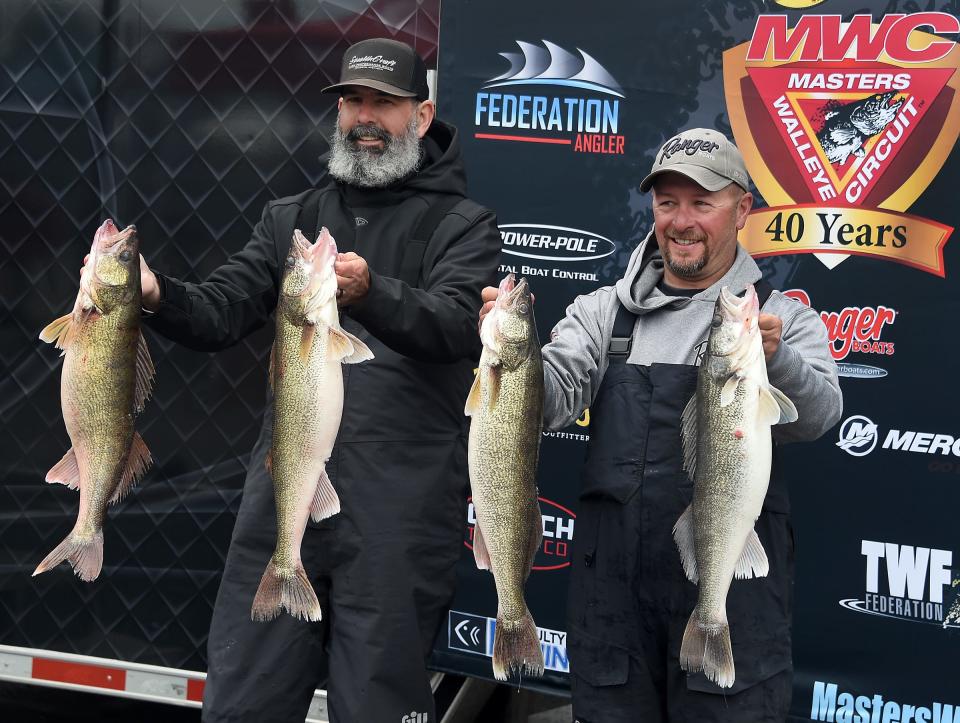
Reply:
x=739, y=314
x=512, y=291
x=317, y=257
x=109, y=241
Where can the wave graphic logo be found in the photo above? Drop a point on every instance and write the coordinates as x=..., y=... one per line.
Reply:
x=552, y=65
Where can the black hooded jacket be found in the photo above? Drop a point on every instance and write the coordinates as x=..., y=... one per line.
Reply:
x=424, y=337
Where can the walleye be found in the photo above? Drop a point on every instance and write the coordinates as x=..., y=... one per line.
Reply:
x=106, y=379
x=506, y=409
x=307, y=382
x=727, y=452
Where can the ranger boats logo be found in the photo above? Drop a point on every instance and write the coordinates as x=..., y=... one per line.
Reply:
x=549, y=95
x=905, y=582
x=842, y=126
x=856, y=329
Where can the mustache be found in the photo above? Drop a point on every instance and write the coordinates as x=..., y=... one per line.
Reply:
x=689, y=235
x=368, y=132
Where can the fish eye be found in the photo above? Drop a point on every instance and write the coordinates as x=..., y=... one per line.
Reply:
x=291, y=262
x=125, y=256
x=523, y=308
x=716, y=322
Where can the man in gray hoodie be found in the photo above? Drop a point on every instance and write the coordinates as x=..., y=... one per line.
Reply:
x=630, y=353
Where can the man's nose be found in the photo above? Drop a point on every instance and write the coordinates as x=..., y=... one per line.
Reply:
x=365, y=114
x=683, y=218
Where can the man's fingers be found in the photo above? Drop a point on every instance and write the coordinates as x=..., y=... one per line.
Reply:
x=489, y=293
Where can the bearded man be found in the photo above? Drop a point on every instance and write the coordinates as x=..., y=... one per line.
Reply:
x=416, y=253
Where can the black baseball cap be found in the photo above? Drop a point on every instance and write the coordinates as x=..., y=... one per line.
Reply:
x=385, y=65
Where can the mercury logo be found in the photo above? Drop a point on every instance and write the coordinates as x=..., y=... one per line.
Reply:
x=904, y=582
x=858, y=436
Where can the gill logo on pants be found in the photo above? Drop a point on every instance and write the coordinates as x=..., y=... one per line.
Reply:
x=414, y=717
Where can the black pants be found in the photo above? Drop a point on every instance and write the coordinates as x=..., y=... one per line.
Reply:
x=384, y=577
x=629, y=608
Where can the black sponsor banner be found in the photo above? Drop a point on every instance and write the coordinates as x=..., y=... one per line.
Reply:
x=847, y=118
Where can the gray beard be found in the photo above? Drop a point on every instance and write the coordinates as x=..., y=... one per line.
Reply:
x=685, y=270
x=371, y=168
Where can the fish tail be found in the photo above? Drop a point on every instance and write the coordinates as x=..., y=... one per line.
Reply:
x=707, y=647
x=85, y=555
x=516, y=647
x=285, y=588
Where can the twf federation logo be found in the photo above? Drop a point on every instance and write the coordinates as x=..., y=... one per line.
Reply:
x=904, y=582
x=552, y=96
x=842, y=126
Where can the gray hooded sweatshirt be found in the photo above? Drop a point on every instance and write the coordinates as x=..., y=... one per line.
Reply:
x=672, y=330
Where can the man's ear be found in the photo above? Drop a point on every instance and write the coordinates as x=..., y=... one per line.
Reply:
x=743, y=209
x=425, y=114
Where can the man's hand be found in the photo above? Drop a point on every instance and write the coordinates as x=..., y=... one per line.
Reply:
x=489, y=297
x=771, y=327
x=149, y=287
x=353, y=278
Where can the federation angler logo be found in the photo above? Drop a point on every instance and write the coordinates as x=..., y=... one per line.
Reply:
x=474, y=634
x=555, y=547
x=904, y=582
x=859, y=437
x=856, y=329
x=831, y=705
x=551, y=96
x=842, y=126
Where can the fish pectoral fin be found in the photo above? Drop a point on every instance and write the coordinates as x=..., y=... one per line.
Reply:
x=145, y=374
x=306, y=341
x=688, y=436
x=729, y=389
x=779, y=408
x=683, y=536
x=753, y=560
x=326, y=502
x=353, y=351
x=474, y=397
x=138, y=461
x=480, y=553
x=493, y=378
x=66, y=471
x=59, y=332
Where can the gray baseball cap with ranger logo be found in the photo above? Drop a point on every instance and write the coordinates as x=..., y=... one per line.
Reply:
x=703, y=155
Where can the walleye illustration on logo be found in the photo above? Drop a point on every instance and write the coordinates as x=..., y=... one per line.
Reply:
x=842, y=126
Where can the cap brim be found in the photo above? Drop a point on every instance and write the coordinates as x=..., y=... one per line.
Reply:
x=698, y=174
x=375, y=84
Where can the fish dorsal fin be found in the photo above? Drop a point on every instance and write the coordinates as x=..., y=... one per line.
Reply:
x=66, y=471
x=776, y=407
x=688, y=436
x=349, y=348
x=729, y=390
x=753, y=560
x=138, y=461
x=473, y=398
x=145, y=374
x=59, y=332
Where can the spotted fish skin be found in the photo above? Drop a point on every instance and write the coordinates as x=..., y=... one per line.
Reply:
x=506, y=410
x=106, y=379
x=307, y=380
x=727, y=452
